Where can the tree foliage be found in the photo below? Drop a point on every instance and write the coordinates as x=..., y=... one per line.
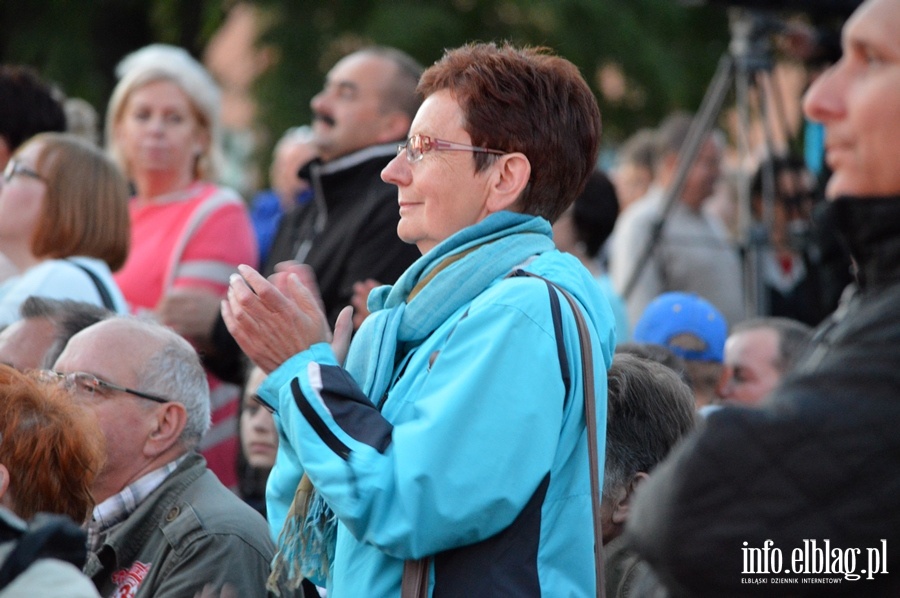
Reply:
x=77, y=43
x=666, y=52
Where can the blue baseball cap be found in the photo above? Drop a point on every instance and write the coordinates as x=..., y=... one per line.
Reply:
x=687, y=324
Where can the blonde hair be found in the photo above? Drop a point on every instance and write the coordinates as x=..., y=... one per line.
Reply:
x=161, y=62
x=85, y=208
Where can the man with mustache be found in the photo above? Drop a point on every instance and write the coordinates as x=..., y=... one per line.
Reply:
x=817, y=466
x=348, y=233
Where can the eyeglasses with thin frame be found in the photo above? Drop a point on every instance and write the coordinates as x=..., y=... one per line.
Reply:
x=89, y=383
x=418, y=145
x=14, y=167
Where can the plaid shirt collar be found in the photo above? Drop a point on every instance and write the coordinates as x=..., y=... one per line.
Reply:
x=119, y=507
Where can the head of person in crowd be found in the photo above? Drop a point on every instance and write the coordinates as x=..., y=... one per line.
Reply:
x=82, y=119
x=584, y=227
x=259, y=438
x=63, y=197
x=28, y=106
x=147, y=389
x=649, y=409
x=787, y=207
x=46, y=325
x=50, y=450
x=162, y=122
x=369, y=98
x=702, y=174
x=658, y=353
x=633, y=173
x=295, y=149
x=858, y=109
x=509, y=120
x=259, y=443
x=758, y=353
x=692, y=328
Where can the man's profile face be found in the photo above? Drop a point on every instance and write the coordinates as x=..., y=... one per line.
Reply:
x=348, y=114
x=114, y=351
x=858, y=101
x=751, y=357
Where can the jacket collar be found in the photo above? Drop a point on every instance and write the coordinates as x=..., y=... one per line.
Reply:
x=871, y=227
x=385, y=150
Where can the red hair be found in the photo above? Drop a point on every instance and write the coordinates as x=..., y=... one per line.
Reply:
x=530, y=101
x=52, y=448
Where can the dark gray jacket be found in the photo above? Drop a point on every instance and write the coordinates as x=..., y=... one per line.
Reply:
x=821, y=461
x=190, y=532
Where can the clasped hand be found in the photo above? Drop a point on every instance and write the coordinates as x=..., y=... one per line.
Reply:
x=273, y=320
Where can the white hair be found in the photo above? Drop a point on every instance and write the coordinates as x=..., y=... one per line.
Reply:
x=169, y=63
x=174, y=372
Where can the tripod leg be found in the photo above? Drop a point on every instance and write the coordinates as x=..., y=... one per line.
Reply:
x=706, y=115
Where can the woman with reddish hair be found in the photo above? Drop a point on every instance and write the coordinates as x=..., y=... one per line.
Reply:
x=50, y=449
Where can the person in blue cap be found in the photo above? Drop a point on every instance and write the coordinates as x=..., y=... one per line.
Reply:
x=692, y=328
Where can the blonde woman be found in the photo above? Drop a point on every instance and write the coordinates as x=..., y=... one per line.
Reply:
x=187, y=232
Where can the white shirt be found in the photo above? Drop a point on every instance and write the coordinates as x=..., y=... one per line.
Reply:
x=58, y=279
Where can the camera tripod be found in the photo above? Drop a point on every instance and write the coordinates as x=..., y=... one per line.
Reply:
x=748, y=62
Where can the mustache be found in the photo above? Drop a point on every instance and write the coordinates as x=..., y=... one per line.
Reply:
x=325, y=118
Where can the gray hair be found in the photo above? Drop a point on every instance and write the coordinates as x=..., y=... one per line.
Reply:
x=295, y=135
x=639, y=149
x=400, y=91
x=649, y=409
x=69, y=317
x=161, y=62
x=174, y=372
x=793, y=338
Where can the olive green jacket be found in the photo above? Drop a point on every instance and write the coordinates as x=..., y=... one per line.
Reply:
x=190, y=532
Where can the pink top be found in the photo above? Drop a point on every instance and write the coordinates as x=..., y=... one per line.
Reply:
x=220, y=241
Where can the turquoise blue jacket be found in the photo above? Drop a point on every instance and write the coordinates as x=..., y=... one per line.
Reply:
x=476, y=456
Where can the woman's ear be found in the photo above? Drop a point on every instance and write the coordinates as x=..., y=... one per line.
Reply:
x=511, y=175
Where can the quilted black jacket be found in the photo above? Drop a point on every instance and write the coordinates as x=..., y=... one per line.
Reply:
x=821, y=461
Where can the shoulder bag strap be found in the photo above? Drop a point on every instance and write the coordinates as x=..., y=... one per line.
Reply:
x=590, y=418
x=414, y=583
x=105, y=297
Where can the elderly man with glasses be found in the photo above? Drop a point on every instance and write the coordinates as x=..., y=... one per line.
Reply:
x=163, y=525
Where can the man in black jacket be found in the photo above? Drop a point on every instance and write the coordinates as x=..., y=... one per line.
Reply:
x=348, y=232
x=800, y=497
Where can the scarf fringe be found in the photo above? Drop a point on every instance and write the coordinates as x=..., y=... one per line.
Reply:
x=306, y=542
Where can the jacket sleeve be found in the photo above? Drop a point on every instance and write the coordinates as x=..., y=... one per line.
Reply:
x=478, y=427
